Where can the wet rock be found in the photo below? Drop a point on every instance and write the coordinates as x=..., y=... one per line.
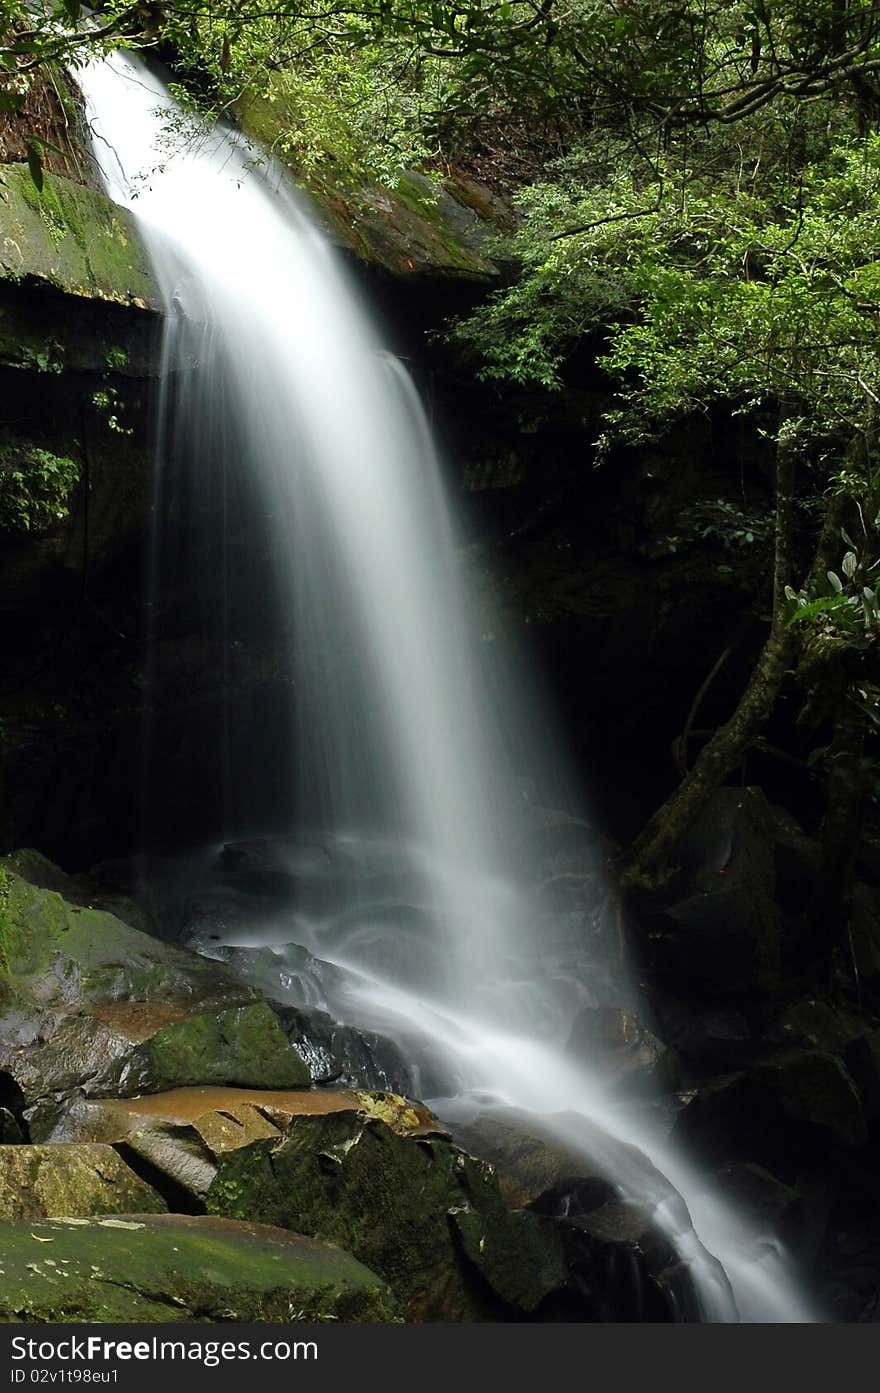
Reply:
x=614, y=1253
x=177, y=1268
x=531, y=1164
x=350, y=1179
x=44, y=1182
x=614, y=1040
x=559, y=844
x=636, y=1273
x=311, y=998
x=89, y=1004
x=175, y=1138
x=349, y=1057
x=371, y=1171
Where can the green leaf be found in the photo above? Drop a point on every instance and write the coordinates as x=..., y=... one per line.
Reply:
x=46, y=144
x=35, y=166
x=836, y=582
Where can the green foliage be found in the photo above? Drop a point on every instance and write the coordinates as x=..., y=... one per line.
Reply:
x=704, y=290
x=845, y=603
x=35, y=489
x=109, y=405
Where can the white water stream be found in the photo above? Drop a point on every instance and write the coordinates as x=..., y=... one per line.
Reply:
x=269, y=348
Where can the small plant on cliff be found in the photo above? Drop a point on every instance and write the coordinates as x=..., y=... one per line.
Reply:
x=35, y=489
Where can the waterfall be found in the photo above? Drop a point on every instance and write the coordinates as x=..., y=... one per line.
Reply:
x=277, y=393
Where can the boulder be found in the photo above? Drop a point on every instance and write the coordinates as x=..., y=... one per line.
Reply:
x=615, y=1042
x=44, y=1182
x=176, y=1268
x=530, y=1163
x=176, y=1137
x=415, y=1209
x=369, y=1171
x=818, y=1088
x=91, y=1005
x=617, y=1257
x=794, y=1103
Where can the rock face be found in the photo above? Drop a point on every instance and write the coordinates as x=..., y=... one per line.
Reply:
x=89, y=1005
x=72, y=238
x=175, y=1268
x=418, y=228
x=43, y=1182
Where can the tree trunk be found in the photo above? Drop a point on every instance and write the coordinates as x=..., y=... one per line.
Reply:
x=648, y=863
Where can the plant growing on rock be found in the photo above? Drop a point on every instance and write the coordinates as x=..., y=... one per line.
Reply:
x=35, y=489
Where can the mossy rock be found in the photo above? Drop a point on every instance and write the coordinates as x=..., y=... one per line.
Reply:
x=395, y=1201
x=420, y=227
x=244, y=1045
x=44, y=1182
x=180, y=1134
x=90, y=1005
x=178, y=1268
x=72, y=238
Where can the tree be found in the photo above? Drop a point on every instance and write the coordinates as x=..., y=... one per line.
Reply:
x=745, y=274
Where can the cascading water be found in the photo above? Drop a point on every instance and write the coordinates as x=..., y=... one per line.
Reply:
x=274, y=380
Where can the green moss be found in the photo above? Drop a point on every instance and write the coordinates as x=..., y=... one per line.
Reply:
x=174, y=1268
x=34, y=924
x=120, y=1012
x=71, y=237
x=416, y=226
x=245, y=1044
x=38, y=1182
x=389, y=1199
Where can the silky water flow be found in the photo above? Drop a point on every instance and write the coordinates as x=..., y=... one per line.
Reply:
x=290, y=415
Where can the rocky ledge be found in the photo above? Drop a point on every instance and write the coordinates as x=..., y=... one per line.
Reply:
x=146, y=1090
